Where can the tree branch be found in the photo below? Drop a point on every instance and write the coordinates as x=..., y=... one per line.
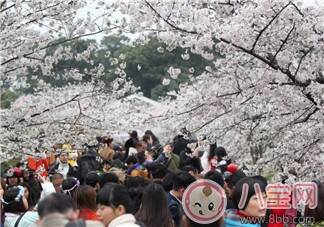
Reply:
x=168, y=22
x=298, y=10
x=211, y=120
x=9, y=7
x=282, y=44
x=307, y=117
x=305, y=152
x=302, y=58
x=266, y=27
x=44, y=111
x=52, y=45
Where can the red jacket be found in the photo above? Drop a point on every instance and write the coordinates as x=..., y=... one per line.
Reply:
x=88, y=214
x=277, y=213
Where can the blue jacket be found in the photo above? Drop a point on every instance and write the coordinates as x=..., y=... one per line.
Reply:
x=233, y=220
x=175, y=209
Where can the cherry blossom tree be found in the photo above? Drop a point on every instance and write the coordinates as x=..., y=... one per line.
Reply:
x=263, y=98
x=30, y=28
x=74, y=114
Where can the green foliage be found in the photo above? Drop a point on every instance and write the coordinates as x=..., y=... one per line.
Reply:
x=6, y=98
x=153, y=66
x=7, y=165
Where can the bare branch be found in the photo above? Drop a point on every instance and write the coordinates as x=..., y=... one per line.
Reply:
x=211, y=120
x=266, y=27
x=191, y=110
x=168, y=17
x=168, y=22
x=302, y=58
x=44, y=111
x=9, y=7
x=283, y=43
x=53, y=44
x=282, y=84
x=298, y=10
x=307, y=117
x=309, y=147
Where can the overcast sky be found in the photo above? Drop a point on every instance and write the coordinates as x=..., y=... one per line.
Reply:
x=116, y=15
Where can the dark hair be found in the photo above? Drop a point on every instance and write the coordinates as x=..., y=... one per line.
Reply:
x=234, y=178
x=14, y=176
x=10, y=204
x=159, y=171
x=168, y=181
x=151, y=134
x=69, y=185
x=170, y=144
x=151, y=214
x=140, y=157
x=85, y=197
x=134, y=135
x=25, y=185
x=261, y=178
x=191, y=223
x=108, y=141
x=250, y=181
x=318, y=212
x=212, y=148
x=55, y=203
x=107, y=178
x=109, y=162
x=146, y=138
x=113, y=195
x=35, y=190
x=216, y=177
x=131, y=159
x=117, y=163
x=189, y=168
x=135, y=187
x=182, y=180
x=137, y=181
x=92, y=179
x=220, y=152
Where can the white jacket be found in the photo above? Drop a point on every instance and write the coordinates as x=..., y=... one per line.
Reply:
x=125, y=220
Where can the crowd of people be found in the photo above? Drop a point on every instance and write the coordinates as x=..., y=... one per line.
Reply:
x=138, y=184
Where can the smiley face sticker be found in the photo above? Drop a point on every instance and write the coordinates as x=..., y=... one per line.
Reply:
x=204, y=201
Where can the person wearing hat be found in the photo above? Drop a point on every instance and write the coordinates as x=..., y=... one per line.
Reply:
x=63, y=167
